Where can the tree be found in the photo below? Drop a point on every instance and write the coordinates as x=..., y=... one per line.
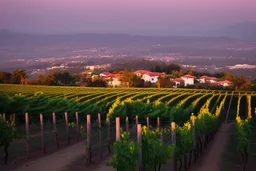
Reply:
x=164, y=82
x=241, y=83
x=137, y=82
x=96, y=82
x=227, y=76
x=179, y=73
x=5, y=77
x=17, y=75
x=117, y=70
x=63, y=78
x=158, y=68
x=127, y=77
x=168, y=69
x=40, y=79
x=152, y=69
x=75, y=78
x=50, y=79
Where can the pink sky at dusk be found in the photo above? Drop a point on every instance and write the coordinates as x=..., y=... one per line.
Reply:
x=49, y=16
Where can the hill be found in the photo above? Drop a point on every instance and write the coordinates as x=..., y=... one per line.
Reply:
x=244, y=31
x=8, y=38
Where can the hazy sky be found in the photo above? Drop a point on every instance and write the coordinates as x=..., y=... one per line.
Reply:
x=127, y=16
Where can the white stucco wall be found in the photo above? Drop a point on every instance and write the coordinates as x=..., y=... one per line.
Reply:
x=225, y=84
x=202, y=80
x=188, y=81
x=147, y=78
x=115, y=83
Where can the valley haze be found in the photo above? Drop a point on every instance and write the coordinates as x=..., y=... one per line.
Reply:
x=200, y=35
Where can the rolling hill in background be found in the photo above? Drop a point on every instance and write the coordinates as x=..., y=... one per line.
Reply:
x=245, y=31
x=9, y=38
x=233, y=34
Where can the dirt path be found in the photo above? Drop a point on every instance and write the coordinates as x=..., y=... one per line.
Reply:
x=211, y=160
x=60, y=160
x=56, y=161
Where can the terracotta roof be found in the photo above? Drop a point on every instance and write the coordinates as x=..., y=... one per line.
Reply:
x=188, y=76
x=117, y=75
x=204, y=76
x=106, y=73
x=225, y=81
x=178, y=80
x=153, y=74
x=208, y=78
x=142, y=71
x=113, y=76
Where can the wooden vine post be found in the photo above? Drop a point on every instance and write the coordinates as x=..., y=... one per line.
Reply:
x=193, y=121
x=42, y=132
x=100, y=137
x=77, y=127
x=109, y=137
x=14, y=118
x=89, y=147
x=27, y=134
x=117, y=128
x=127, y=123
x=147, y=119
x=137, y=120
x=139, y=139
x=55, y=130
x=173, y=127
x=67, y=127
x=4, y=117
x=158, y=122
x=158, y=127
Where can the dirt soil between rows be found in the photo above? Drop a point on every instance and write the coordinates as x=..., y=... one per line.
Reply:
x=73, y=158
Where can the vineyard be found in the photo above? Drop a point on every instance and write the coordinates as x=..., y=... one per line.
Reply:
x=153, y=127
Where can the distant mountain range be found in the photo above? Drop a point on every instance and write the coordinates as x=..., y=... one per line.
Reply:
x=245, y=31
x=230, y=35
x=20, y=39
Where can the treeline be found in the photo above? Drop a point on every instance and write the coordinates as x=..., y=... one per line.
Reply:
x=50, y=79
x=128, y=78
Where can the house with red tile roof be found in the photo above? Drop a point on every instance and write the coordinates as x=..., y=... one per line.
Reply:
x=148, y=76
x=224, y=83
x=105, y=74
x=205, y=79
x=139, y=73
x=178, y=82
x=113, y=80
x=188, y=79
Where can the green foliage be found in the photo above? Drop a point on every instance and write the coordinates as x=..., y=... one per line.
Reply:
x=5, y=77
x=6, y=134
x=180, y=114
x=16, y=76
x=132, y=108
x=83, y=134
x=72, y=124
x=4, y=103
x=18, y=104
x=244, y=134
x=154, y=151
x=184, y=142
x=125, y=154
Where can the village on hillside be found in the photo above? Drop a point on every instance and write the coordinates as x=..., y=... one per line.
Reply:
x=152, y=78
